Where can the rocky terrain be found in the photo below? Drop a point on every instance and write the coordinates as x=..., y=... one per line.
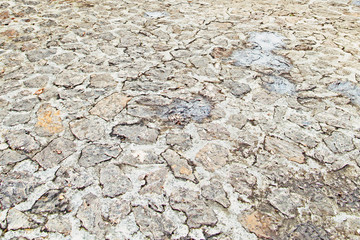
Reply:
x=177, y=119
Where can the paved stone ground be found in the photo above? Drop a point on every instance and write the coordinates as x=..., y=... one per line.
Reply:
x=179, y=119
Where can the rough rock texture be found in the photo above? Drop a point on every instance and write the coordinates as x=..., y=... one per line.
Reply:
x=149, y=119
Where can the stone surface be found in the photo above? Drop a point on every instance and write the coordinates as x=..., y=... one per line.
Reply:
x=53, y=201
x=97, y=153
x=116, y=210
x=259, y=224
x=212, y=156
x=286, y=202
x=110, y=106
x=69, y=79
x=113, y=181
x=84, y=128
x=135, y=133
x=59, y=224
x=215, y=192
x=22, y=141
x=17, y=220
x=286, y=149
x=339, y=143
x=55, y=152
x=179, y=165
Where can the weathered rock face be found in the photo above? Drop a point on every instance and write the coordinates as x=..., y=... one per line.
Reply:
x=179, y=119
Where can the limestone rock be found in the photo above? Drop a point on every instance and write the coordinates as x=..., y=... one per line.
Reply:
x=339, y=143
x=97, y=153
x=90, y=129
x=22, y=141
x=53, y=201
x=213, y=131
x=113, y=181
x=108, y=107
x=260, y=224
x=59, y=224
x=102, y=81
x=116, y=210
x=55, y=152
x=179, y=165
x=287, y=149
x=17, y=220
x=284, y=201
x=212, y=156
x=135, y=133
x=215, y=192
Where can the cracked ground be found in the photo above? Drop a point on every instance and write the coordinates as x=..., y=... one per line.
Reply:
x=179, y=119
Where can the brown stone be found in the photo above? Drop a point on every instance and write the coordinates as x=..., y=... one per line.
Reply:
x=11, y=33
x=259, y=224
x=286, y=149
x=49, y=121
x=4, y=15
x=219, y=52
x=110, y=106
x=212, y=156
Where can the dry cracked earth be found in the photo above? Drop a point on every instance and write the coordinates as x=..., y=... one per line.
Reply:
x=179, y=119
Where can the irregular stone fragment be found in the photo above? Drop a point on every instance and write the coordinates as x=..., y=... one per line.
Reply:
x=16, y=119
x=302, y=137
x=213, y=131
x=24, y=104
x=339, y=143
x=59, y=224
x=56, y=151
x=102, y=81
x=64, y=58
x=113, y=181
x=154, y=182
x=184, y=111
x=280, y=85
x=308, y=231
x=135, y=133
x=37, y=55
x=89, y=214
x=179, y=165
x=90, y=129
x=69, y=79
x=284, y=201
x=116, y=210
x=237, y=120
x=212, y=156
x=37, y=82
x=97, y=153
x=9, y=156
x=139, y=156
x=215, y=192
x=260, y=224
x=152, y=224
x=287, y=149
x=348, y=89
x=17, y=220
x=153, y=100
x=108, y=107
x=179, y=140
x=11, y=33
x=16, y=187
x=22, y=140
x=237, y=89
x=48, y=121
x=266, y=41
x=242, y=181
x=53, y=201
x=74, y=178
x=197, y=212
x=147, y=112
x=219, y=52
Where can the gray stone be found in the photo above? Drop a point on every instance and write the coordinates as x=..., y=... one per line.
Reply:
x=74, y=178
x=113, y=181
x=55, y=152
x=280, y=85
x=59, y=224
x=152, y=224
x=16, y=119
x=286, y=149
x=153, y=100
x=147, y=112
x=179, y=165
x=116, y=210
x=110, y=106
x=37, y=55
x=37, y=82
x=339, y=143
x=90, y=129
x=139, y=156
x=237, y=120
x=16, y=187
x=154, y=182
x=135, y=133
x=145, y=87
x=24, y=104
x=197, y=212
x=64, y=58
x=178, y=140
x=215, y=192
x=242, y=181
x=237, y=89
x=212, y=156
x=102, y=81
x=286, y=202
x=9, y=156
x=213, y=131
x=22, y=141
x=308, y=231
x=69, y=79
x=89, y=214
x=97, y=153
x=347, y=89
x=17, y=220
x=53, y=201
